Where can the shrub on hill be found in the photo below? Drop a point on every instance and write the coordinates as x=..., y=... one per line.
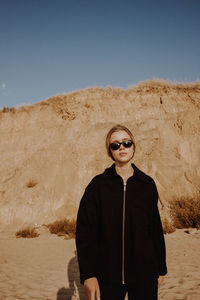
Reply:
x=63, y=227
x=168, y=227
x=185, y=213
x=31, y=183
x=27, y=233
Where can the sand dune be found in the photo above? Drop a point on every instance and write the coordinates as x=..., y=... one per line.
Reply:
x=50, y=150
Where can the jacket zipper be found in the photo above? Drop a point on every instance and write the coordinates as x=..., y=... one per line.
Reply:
x=124, y=198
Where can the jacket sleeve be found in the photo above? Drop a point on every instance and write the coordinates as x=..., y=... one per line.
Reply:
x=87, y=233
x=158, y=236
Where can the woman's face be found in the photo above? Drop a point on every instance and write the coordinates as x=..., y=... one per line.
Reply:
x=121, y=155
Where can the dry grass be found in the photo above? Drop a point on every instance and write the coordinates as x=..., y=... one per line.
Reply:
x=63, y=227
x=31, y=183
x=160, y=83
x=185, y=213
x=168, y=227
x=160, y=86
x=6, y=109
x=65, y=104
x=27, y=233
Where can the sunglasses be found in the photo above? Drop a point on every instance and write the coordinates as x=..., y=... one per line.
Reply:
x=126, y=144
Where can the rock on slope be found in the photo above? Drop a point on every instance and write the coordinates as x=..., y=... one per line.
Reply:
x=51, y=150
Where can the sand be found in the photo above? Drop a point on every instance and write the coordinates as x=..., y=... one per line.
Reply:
x=46, y=268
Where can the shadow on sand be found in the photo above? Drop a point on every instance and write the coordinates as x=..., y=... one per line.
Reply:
x=75, y=290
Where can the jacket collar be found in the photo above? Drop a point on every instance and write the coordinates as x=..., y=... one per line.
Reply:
x=138, y=174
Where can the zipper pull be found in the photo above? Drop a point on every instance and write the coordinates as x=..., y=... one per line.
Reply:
x=124, y=187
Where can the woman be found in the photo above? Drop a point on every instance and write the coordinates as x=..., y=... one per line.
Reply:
x=119, y=237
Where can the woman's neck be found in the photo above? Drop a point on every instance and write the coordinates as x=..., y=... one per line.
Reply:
x=124, y=170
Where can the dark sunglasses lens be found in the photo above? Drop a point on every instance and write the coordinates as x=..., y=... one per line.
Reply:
x=115, y=146
x=127, y=144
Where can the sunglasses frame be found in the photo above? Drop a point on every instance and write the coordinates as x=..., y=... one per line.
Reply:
x=118, y=144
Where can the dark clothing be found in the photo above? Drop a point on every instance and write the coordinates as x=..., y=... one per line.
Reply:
x=142, y=290
x=119, y=235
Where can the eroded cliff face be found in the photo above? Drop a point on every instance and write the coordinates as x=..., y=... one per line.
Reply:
x=51, y=150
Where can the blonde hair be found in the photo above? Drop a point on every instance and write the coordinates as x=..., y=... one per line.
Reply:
x=116, y=128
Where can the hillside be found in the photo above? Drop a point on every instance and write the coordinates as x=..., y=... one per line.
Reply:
x=50, y=150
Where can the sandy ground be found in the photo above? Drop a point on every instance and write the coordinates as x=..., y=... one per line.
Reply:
x=46, y=268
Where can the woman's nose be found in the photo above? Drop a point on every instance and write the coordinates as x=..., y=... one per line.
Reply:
x=121, y=146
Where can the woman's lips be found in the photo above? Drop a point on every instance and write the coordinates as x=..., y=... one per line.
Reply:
x=122, y=154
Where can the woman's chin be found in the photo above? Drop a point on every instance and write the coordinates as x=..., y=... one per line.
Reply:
x=123, y=159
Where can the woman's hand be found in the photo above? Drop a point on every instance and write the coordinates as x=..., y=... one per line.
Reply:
x=91, y=287
x=160, y=280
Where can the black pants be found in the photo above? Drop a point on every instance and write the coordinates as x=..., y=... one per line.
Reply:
x=143, y=290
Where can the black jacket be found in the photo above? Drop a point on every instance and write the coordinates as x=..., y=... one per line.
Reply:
x=119, y=234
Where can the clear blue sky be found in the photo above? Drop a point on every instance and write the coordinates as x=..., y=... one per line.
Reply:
x=56, y=46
